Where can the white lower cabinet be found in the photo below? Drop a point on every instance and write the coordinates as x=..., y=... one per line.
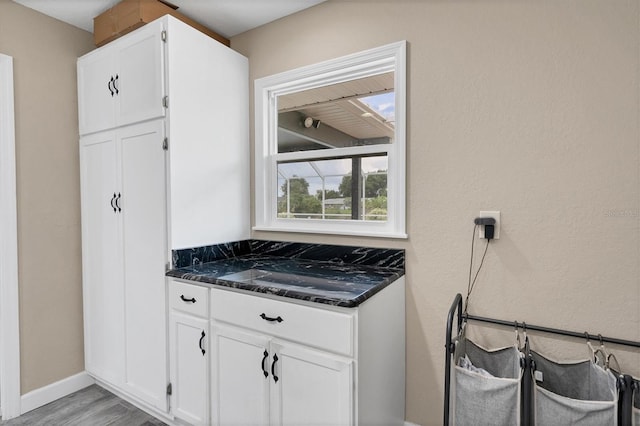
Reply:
x=275, y=362
x=240, y=376
x=189, y=352
x=313, y=386
x=258, y=380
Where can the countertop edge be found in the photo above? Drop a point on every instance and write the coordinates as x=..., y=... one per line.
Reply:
x=287, y=294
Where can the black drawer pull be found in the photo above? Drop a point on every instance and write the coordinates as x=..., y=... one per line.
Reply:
x=266, y=318
x=273, y=368
x=184, y=299
x=264, y=371
x=200, y=343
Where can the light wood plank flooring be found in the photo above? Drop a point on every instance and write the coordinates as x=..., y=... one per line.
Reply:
x=92, y=406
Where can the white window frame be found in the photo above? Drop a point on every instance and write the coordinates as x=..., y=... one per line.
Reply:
x=391, y=57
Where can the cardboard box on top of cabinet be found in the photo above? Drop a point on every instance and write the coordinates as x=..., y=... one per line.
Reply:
x=128, y=15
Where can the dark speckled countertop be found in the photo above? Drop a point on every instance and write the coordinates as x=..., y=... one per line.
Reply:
x=335, y=275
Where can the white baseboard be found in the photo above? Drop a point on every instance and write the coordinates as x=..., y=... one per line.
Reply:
x=44, y=395
x=410, y=424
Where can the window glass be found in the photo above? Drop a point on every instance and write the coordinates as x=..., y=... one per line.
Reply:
x=324, y=189
x=352, y=113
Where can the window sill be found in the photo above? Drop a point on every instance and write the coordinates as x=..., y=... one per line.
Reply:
x=354, y=233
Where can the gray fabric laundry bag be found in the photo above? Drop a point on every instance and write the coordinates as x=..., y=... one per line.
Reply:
x=486, y=385
x=635, y=417
x=581, y=393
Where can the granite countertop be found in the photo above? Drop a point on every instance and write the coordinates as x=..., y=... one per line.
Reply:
x=333, y=275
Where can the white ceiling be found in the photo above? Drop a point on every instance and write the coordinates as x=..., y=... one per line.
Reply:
x=226, y=17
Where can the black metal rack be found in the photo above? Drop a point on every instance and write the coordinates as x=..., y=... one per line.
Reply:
x=625, y=382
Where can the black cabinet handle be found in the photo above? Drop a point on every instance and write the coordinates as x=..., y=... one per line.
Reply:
x=109, y=86
x=118, y=203
x=270, y=319
x=200, y=343
x=184, y=299
x=273, y=368
x=264, y=371
x=115, y=85
x=112, y=200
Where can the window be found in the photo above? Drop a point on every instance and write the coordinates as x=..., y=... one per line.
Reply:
x=330, y=146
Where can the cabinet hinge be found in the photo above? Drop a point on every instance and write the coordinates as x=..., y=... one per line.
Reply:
x=169, y=389
x=165, y=102
x=167, y=266
x=165, y=146
x=163, y=35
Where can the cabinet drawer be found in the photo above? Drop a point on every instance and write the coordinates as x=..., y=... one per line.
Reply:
x=322, y=328
x=189, y=298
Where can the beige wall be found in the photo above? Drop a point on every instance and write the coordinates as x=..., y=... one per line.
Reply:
x=48, y=186
x=527, y=107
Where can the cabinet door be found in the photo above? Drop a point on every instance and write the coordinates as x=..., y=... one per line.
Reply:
x=122, y=83
x=143, y=205
x=96, y=92
x=313, y=387
x=240, y=376
x=140, y=75
x=189, y=368
x=103, y=289
x=209, y=111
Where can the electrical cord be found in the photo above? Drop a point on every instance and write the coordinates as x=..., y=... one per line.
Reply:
x=471, y=284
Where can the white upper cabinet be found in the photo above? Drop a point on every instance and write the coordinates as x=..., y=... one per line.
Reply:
x=140, y=76
x=208, y=113
x=96, y=95
x=201, y=87
x=122, y=83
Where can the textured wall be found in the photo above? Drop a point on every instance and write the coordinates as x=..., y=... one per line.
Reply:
x=527, y=107
x=48, y=185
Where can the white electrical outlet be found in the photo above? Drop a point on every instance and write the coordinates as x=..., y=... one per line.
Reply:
x=496, y=227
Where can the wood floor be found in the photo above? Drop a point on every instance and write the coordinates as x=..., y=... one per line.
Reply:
x=92, y=406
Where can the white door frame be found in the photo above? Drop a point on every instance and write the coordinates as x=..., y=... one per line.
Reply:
x=9, y=326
